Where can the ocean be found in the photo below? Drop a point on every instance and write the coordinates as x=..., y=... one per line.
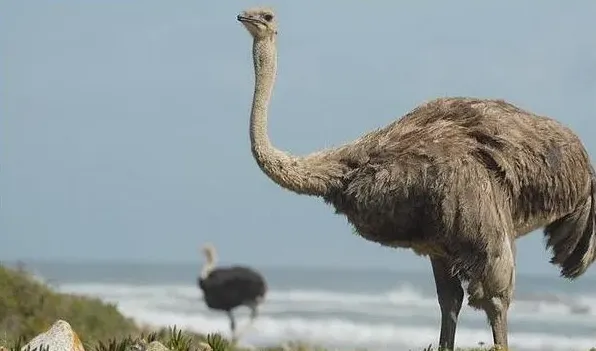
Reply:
x=339, y=309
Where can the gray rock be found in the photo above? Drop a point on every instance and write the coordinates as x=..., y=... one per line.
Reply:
x=156, y=346
x=203, y=346
x=60, y=337
x=140, y=345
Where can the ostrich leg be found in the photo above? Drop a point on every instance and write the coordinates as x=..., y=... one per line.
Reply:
x=497, y=305
x=253, y=315
x=494, y=292
x=496, y=310
x=232, y=325
x=450, y=295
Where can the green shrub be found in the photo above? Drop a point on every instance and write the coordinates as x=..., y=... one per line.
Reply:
x=28, y=307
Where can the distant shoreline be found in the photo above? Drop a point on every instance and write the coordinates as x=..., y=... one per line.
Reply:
x=554, y=273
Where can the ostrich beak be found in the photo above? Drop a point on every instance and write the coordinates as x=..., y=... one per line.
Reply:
x=244, y=18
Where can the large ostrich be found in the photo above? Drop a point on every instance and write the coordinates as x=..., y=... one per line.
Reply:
x=456, y=179
x=225, y=288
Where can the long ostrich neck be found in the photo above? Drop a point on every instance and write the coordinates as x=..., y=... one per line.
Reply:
x=210, y=260
x=310, y=175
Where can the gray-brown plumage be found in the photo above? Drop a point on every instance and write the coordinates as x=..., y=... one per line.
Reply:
x=457, y=179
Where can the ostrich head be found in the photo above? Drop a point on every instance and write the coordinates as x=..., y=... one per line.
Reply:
x=260, y=22
x=209, y=253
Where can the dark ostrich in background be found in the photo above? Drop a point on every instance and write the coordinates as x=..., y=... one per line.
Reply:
x=225, y=288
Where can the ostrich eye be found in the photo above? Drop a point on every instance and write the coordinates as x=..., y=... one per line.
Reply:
x=268, y=17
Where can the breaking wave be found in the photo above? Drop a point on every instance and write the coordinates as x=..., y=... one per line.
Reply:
x=399, y=318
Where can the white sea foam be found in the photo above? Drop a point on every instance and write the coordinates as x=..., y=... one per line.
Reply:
x=395, y=319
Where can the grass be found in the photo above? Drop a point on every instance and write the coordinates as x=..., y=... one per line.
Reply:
x=29, y=307
x=177, y=340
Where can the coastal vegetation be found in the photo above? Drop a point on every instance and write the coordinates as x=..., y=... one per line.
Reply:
x=29, y=307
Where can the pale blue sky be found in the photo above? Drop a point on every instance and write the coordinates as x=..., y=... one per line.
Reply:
x=124, y=124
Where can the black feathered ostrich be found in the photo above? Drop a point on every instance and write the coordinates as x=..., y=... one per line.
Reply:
x=225, y=288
